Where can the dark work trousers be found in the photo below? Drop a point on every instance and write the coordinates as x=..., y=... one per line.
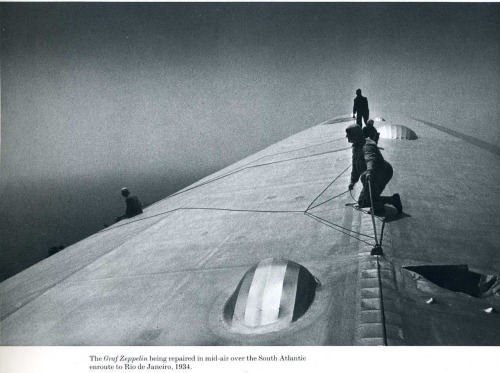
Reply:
x=365, y=117
x=378, y=181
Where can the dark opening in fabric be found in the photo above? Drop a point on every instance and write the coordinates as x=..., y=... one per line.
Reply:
x=458, y=278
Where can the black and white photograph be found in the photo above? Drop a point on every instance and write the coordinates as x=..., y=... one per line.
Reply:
x=212, y=175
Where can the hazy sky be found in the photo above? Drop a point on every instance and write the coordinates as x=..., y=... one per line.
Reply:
x=96, y=96
x=90, y=88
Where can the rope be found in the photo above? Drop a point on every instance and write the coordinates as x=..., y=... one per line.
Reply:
x=332, y=225
x=305, y=156
x=355, y=200
x=242, y=210
x=383, y=222
x=248, y=165
x=329, y=222
x=136, y=220
x=324, y=190
x=382, y=232
x=326, y=222
x=328, y=200
x=373, y=211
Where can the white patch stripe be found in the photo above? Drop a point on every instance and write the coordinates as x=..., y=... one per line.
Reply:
x=253, y=309
x=271, y=300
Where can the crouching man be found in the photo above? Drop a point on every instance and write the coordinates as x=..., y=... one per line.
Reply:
x=368, y=164
x=134, y=205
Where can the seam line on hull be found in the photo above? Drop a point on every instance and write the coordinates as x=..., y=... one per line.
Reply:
x=471, y=140
x=242, y=168
x=384, y=330
x=205, y=208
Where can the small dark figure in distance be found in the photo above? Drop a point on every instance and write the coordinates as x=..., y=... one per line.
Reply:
x=368, y=164
x=361, y=108
x=134, y=205
x=371, y=132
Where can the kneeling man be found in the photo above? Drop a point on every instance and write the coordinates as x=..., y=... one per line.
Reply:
x=369, y=164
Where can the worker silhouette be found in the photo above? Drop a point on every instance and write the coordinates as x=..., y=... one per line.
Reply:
x=134, y=205
x=368, y=164
x=360, y=108
x=371, y=132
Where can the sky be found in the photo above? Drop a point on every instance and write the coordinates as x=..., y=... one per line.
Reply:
x=96, y=96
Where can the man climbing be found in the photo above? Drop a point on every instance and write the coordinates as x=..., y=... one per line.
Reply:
x=134, y=205
x=361, y=108
x=371, y=132
x=368, y=164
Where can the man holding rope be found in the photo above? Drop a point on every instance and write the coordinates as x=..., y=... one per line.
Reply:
x=368, y=164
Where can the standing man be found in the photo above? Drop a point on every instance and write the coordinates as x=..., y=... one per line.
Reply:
x=361, y=108
x=368, y=164
x=134, y=205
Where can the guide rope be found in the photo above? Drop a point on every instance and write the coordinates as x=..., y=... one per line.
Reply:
x=335, y=226
x=328, y=200
x=324, y=190
x=373, y=213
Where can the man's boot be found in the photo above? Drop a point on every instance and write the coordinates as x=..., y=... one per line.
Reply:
x=396, y=202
